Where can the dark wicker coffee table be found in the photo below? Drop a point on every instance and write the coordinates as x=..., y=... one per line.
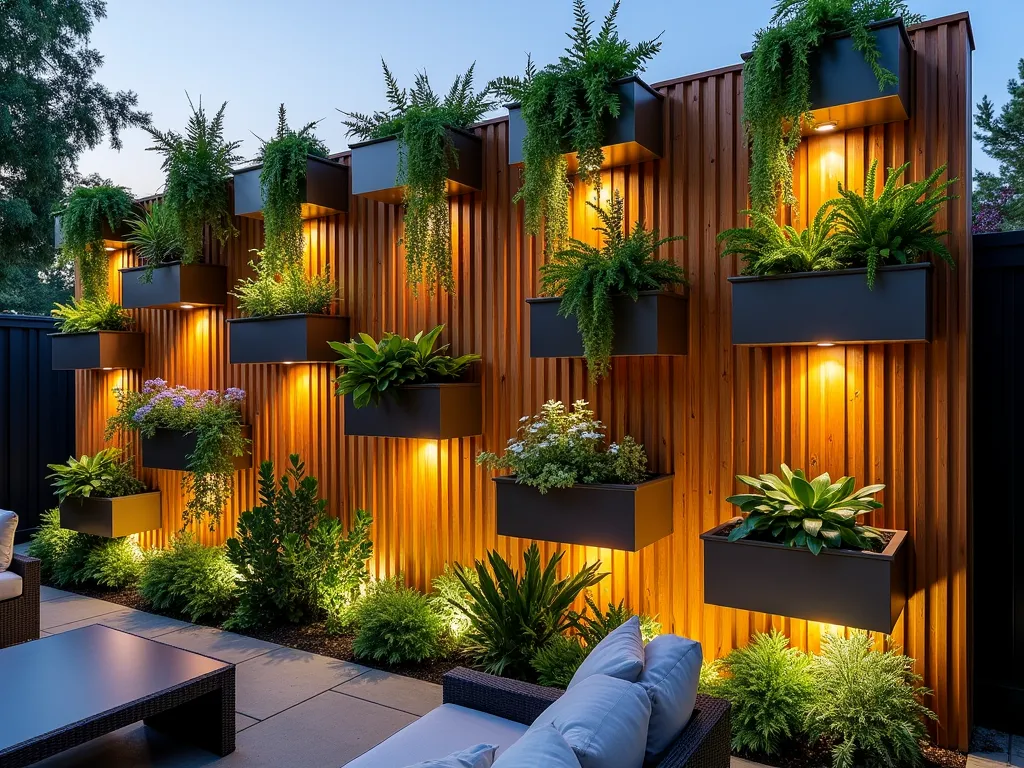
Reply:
x=63, y=690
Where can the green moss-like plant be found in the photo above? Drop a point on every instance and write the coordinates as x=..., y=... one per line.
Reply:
x=564, y=106
x=81, y=223
x=420, y=119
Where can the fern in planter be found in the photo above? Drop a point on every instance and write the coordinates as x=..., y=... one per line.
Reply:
x=419, y=119
x=85, y=315
x=777, y=82
x=586, y=278
x=198, y=166
x=81, y=222
x=291, y=293
x=569, y=100
x=769, y=248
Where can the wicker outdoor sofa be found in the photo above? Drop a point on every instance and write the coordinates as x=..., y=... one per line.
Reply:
x=19, y=616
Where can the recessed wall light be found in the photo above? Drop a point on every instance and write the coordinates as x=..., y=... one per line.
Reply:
x=108, y=249
x=108, y=369
x=188, y=306
x=826, y=343
x=825, y=127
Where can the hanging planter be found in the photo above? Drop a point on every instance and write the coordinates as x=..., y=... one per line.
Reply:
x=864, y=590
x=112, y=518
x=324, y=189
x=298, y=338
x=114, y=238
x=175, y=285
x=97, y=350
x=626, y=517
x=171, y=448
x=423, y=411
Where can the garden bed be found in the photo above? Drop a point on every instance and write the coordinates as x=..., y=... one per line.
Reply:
x=805, y=756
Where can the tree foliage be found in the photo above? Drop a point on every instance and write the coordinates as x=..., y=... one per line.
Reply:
x=999, y=197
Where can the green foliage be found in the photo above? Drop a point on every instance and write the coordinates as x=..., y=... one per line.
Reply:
x=769, y=248
x=106, y=474
x=396, y=625
x=558, y=449
x=217, y=423
x=69, y=558
x=198, y=166
x=1002, y=137
x=565, y=106
x=897, y=227
x=451, y=601
x=282, y=181
x=26, y=290
x=768, y=684
x=190, y=579
x=557, y=661
x=593, y=625
x=867, y=704
x=81, y=223
x=777, y=82
x=83, y=315
x=156, y=238
x=816, y=514
x=292, y=293
x=514, y=616
x=586, y=278
x=51, y=544
x=710, y=677
x=373, y=369
x=114, y=563
x=294, y=560
x=419, y=118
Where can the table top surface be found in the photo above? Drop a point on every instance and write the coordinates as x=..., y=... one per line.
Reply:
x=77, y=675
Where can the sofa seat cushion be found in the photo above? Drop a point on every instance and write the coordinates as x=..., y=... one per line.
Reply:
x=10, y=585
x=446, y=729
x=8, y=525
x=539, y=748
x=670, y=677
x=620, y=654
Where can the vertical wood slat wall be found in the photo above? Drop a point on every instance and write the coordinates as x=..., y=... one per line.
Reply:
x=896, y=414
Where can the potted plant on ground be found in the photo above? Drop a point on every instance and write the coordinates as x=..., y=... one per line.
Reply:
x=100, y=495
x=859, y=274
x=196, y=196
x=589, y=100
x=187, y=430
x=419, y=152
x=95, y=334
x=568, y=486
x=612, y=300
x=399, y=387
x=808, y=533
x=815, y=55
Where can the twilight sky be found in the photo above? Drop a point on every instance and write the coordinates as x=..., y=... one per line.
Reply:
x=316, y=56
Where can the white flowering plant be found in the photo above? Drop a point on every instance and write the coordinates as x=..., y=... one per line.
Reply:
x=559, y=448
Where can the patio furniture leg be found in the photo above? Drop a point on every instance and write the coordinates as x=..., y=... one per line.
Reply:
x=207, y=721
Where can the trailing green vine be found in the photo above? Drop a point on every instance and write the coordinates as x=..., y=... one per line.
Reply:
x=777, y=82
x=420, y=119
x=81, y=225
x=565, y=106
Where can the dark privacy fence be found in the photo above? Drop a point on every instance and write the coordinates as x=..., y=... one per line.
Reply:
x=37, y=417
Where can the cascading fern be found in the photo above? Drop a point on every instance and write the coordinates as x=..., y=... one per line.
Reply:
x=84, y=315
x=81, y=225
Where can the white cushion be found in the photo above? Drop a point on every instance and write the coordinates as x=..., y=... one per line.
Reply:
x=604, y=720
x=480, y=756
x=670, y=677
x=10, y=585
x=440, y=732
x=8, y=525
x=539, y=748
x=620, y=654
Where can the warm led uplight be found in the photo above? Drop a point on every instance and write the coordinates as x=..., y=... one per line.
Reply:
x=286, y=362
x=826, y=343
x=188, y=306
x=429, y=450
x=828, y=125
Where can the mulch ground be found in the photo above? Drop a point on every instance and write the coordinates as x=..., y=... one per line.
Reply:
x=805, y=756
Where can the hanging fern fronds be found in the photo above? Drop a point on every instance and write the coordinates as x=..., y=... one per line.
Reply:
x=81, y=222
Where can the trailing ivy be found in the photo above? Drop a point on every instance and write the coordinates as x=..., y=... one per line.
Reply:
x=81, y=224
x=565, y=106
x=419, y=118
x=777, y=82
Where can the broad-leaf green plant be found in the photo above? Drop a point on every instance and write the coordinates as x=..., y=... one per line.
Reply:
x=769, y=248
x=586, y=277
x=86, y=315
x=375, y=369
x=156, y=238
x=81, y=222
x=816, y=514
x=107, y=474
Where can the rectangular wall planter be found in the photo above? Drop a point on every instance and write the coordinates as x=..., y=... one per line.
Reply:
x=101, y=350
x=375, y=167
x=627, y=517
x=833, y=307
x=423, y=411
x=324, y=191
x=112, y=518
x=113, y=237
x=657, y=323
x=170, y=449
x=863, y=590
x=286, y=338
x=175, y=286
x=635, y=136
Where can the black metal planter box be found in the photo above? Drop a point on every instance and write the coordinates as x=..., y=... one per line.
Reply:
x=101, y=350
x=863, y=590
x=112, y=517
x=175, y=286
x=627, y=517
x=324, y=191
x=285, y=338
x=635, y=136
x=170, y=449
x=424, y=411
x=375, y=167
x=113, y=237
x=833, y=307
x=655, y=324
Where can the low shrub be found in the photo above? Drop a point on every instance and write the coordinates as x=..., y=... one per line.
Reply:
x=68, y=558
x=593, y=625
x=396, y=625
x=50, y=544
x=558, y=660
x=451, y=601
x=113, y=563
x=710, y=677
x=190, y=579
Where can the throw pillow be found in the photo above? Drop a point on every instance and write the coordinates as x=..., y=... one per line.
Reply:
x=620, y=654
x=539, y=748
x=670, y=676
x=8, y=525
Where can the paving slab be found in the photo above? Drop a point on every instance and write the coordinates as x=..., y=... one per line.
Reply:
x=136, y=746
x=50, y=593
x=140, y=623
x=739, y=762
x=243, y=721
x=408, y=694
x=274, y=681
x=987, y=760
x=66, y=610
x=225, y=646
